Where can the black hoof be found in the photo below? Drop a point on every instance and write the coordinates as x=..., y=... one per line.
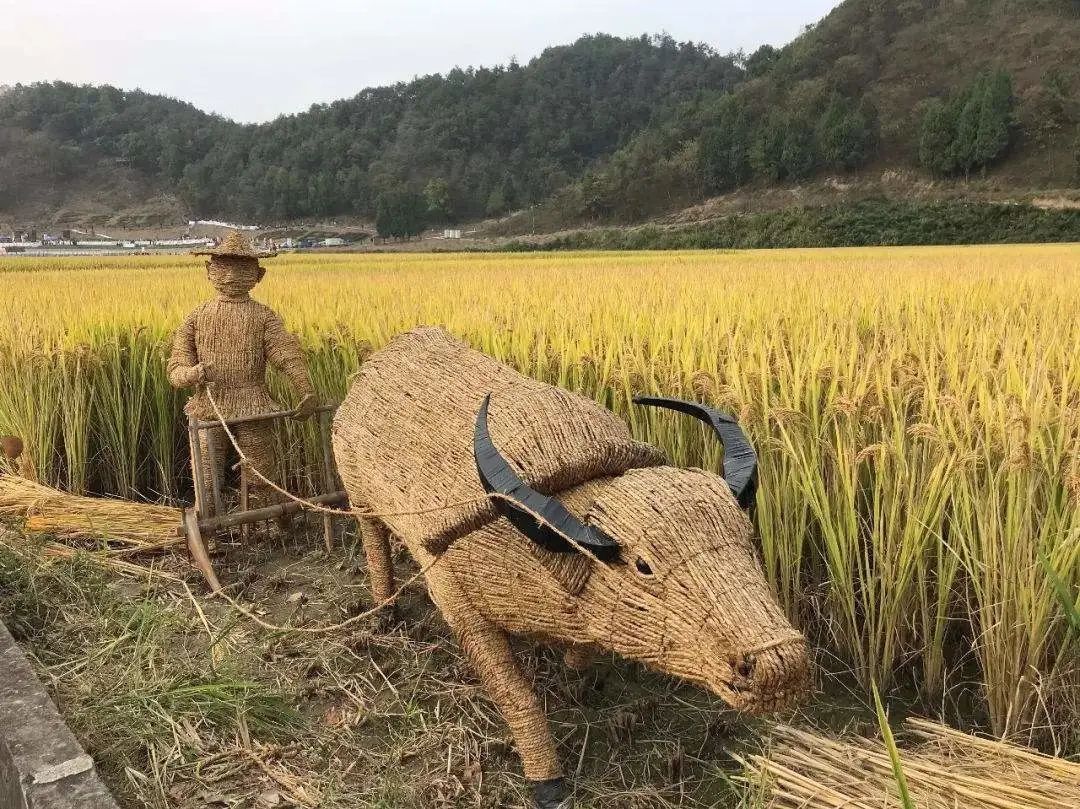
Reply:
x=551, y=794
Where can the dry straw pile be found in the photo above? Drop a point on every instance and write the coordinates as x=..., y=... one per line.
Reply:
x=138, y=526
x=946, y=770
x=110, y=530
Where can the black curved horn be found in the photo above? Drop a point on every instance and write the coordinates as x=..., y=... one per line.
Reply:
x=740, y=460
x=556, y=529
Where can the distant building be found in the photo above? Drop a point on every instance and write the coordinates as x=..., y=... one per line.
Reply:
x=451, y=233
x=218, y=223
x=333, y=241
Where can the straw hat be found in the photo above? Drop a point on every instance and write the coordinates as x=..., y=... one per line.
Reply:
x=235, y=245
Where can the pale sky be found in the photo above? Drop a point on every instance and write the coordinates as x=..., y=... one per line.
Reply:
x=255, y=59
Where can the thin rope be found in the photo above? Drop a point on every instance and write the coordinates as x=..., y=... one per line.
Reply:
x=316, y=630
x=317, y=506
x=319, y=630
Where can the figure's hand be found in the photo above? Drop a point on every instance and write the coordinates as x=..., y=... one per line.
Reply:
x=202, y=373
x=191, y=376
x=306, y=407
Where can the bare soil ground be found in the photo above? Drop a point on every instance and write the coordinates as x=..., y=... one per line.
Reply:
x=187, y=703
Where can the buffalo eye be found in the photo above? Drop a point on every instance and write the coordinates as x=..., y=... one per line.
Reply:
x=643, y=567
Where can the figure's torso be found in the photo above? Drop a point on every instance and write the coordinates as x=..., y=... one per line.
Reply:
x=230, y=335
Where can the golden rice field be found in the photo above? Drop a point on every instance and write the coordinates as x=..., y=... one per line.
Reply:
x=917, y=414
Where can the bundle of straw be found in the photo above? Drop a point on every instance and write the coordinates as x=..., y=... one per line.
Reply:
x=946, y=769
x=124, y=526
x=56, y=551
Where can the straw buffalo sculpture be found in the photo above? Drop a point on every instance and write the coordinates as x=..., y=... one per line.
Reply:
x=588, y=540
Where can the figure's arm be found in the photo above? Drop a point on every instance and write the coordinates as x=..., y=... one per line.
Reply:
x=184, y=369
x=284, y=353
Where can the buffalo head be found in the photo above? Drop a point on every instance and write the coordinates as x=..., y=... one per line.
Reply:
x=674, y=580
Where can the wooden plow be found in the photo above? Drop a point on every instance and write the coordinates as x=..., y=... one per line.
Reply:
x=211, y=514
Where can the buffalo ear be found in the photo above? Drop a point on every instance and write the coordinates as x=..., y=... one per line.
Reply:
x=740, y=459
x=542, y=519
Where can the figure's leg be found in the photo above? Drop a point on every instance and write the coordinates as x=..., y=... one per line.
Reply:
x=258, y=443
x=380, y=565
x=488, y=650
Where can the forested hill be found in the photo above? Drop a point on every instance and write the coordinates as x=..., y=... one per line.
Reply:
x=481, y=141
x=906, y=91
x=605, y=129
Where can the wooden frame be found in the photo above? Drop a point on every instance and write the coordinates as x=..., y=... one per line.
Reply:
x=195, y=524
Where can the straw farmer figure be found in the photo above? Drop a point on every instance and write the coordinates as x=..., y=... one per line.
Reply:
x=226, y=345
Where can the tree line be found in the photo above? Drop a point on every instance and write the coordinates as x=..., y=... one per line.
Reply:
x=812, y=107
x=970, y=130
x=483, y=141
x=868, y=223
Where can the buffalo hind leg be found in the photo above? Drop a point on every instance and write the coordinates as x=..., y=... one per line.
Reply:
x=488, y=650
x=380, y=566
x=580, y=658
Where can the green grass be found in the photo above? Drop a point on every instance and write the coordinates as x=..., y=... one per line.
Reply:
x=123, y=669
x=894, y=753
x=871, y=223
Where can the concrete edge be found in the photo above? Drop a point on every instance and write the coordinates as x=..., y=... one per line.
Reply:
x=42, y=764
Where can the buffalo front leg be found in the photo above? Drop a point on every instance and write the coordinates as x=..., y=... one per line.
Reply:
x=488, y=650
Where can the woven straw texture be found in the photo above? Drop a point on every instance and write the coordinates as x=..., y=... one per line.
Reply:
x=235, y=245
x=403, y=435
x=704, y=612
x=688, y=596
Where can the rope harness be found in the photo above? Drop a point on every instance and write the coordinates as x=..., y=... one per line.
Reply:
x=424, y=569
x=349, y=512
